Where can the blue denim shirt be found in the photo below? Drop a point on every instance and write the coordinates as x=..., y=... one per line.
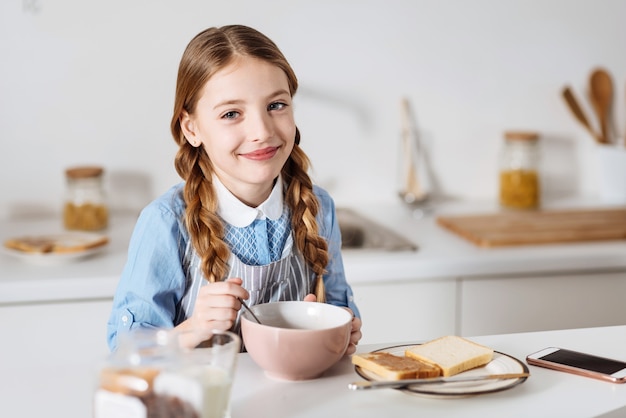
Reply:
x=153, y=281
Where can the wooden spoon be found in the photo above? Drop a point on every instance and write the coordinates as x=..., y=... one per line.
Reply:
x=601, y=94
x=578, y=113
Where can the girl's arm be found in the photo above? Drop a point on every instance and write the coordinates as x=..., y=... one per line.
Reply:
x=338, y=291
x=153, y=281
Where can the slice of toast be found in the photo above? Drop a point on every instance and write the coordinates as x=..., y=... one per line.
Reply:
x=452, y=354
x=76, y=243
x=30, y=244
x=392, y=367
x=62, y=244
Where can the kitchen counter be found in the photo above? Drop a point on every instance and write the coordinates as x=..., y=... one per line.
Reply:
x=546, y=393
x=34, y=280
x=444, y=254
x=66, y=389
x=441, y=254
x=459, y=287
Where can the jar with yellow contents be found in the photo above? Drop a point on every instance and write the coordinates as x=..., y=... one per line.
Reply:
x=519, y=171
x=85, y=204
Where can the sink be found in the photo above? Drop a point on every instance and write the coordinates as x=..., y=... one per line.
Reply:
x=361, y=233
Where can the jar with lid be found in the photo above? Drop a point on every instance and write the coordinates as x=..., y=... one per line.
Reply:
x=85, y=202
x=519, y=171
x=152, y=375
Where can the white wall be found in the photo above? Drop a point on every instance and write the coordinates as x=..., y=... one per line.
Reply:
x=92, y=82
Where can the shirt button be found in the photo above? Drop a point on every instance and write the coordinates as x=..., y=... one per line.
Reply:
x=125, y=318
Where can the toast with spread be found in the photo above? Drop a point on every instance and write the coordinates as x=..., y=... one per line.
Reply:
x=61, y=244
x=445, y=356
x=392, y=367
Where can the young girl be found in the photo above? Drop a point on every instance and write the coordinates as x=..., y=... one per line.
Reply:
x=247, y=223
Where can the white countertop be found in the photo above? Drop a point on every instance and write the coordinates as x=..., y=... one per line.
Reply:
x=546, y=393
x=66, y=389
x=94, y=277
x=441, y=254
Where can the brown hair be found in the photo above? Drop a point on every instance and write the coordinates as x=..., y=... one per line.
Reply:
x=207, y=53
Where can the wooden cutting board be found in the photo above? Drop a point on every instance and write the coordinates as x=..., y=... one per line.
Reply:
x=538, y=227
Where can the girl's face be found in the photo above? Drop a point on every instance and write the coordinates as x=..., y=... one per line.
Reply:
x=244, y=120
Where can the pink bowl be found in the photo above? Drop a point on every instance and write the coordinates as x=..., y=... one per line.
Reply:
x=296, y=340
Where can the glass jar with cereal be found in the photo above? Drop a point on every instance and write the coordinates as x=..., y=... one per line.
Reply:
x=85, y=203
x=519, y=171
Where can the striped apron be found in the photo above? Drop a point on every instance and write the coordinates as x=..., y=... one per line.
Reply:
x=289, y=278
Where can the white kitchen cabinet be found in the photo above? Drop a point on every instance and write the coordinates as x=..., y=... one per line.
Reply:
x=65, y=342
x=536, y=303
x=55, y=333
x=406, y=310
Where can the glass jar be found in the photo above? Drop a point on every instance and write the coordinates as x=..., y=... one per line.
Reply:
x=150, y=375
x=85, y=203
x=519, y=171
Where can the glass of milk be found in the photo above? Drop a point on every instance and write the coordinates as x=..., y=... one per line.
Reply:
x=205, y=375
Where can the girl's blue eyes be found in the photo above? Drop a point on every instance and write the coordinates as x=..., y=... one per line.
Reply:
x=232, y=114
x=276, y=106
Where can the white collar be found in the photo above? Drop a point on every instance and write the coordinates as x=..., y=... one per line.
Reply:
x=238, y=214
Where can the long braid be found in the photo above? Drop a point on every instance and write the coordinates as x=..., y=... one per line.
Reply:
x=305, y=206
x=206, y=231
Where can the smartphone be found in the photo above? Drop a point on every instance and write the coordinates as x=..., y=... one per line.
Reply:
x=580, y=363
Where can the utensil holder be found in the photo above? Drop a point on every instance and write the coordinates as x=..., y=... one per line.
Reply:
x=611, y=173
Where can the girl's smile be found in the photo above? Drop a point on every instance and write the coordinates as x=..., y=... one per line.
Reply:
x=262, y=154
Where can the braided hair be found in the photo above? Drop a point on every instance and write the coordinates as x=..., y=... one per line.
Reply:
x=207, y=53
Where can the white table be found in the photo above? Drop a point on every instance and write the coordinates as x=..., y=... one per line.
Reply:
x=65, y=390
x=546, y=393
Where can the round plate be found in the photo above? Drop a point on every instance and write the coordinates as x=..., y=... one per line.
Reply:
x=500, y=364
x=77, y=245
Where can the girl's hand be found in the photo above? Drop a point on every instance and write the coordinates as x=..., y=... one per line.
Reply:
x=216, y=308
x=355, y=333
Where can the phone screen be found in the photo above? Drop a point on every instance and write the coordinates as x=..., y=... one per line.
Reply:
x=585, y=361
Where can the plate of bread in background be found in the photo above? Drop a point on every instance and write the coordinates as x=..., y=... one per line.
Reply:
x=55, y=248
x=450, y=366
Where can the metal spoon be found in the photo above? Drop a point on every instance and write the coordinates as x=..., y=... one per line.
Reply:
x=365, y=384
x=249, y=310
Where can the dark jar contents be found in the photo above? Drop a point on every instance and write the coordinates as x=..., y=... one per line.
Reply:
x=85, y=204
x=130, y=393
x=519, y=171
